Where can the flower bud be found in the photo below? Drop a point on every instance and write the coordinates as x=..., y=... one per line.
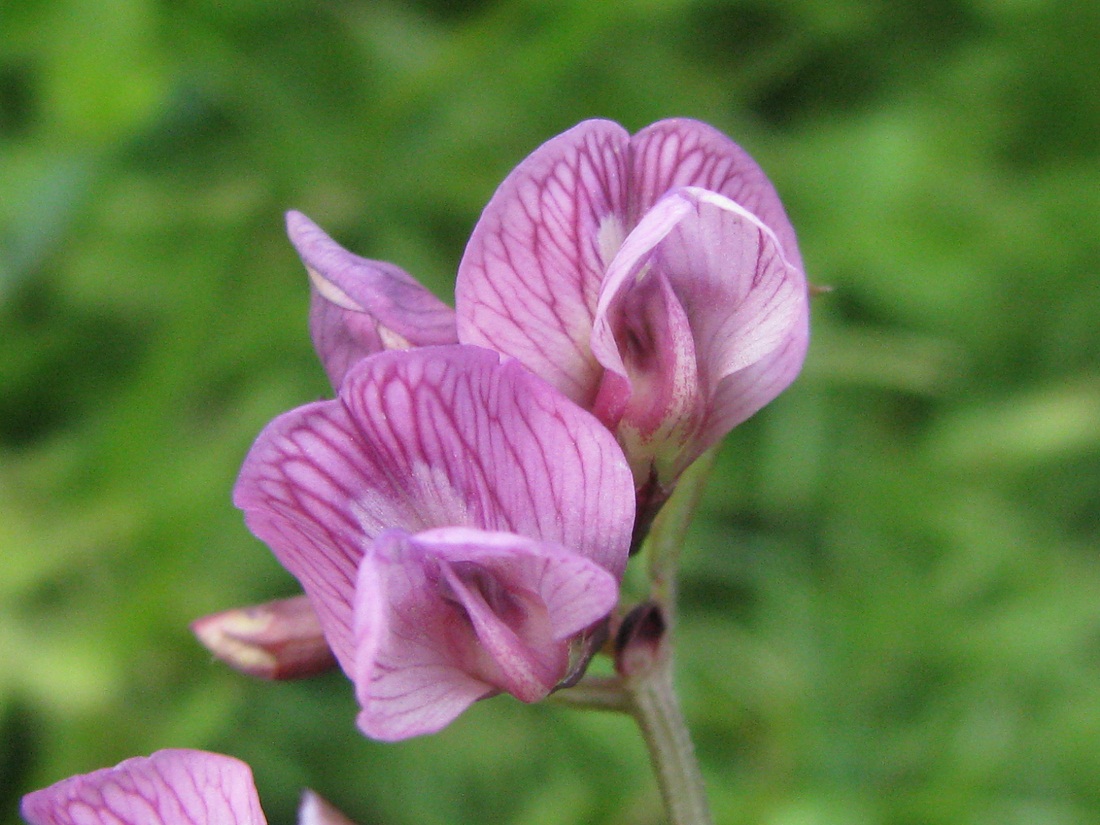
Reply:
x=639, y=644
x=281, y=639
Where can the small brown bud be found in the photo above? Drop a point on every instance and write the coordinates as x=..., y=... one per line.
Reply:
x=639, y=644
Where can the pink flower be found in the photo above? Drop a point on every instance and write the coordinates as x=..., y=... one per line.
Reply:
x=456, y=522
x=653, y=279
x=171, y=787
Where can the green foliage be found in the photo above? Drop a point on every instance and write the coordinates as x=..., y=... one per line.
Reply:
x=890, y=604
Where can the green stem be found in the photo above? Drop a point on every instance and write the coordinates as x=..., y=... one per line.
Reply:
x=666, y=539
x=644, y=662
x=654, y=703
x=595, y=693
x=655, y=707
x=651, y=700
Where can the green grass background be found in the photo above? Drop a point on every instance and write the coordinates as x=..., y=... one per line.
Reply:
x=891, y=606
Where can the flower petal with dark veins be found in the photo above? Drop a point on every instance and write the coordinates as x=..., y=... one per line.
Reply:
x=171, y=787
x=547, y=278
x=731, y=335
x=530, y=278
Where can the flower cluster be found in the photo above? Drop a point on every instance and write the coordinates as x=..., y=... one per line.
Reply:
x=461, y=513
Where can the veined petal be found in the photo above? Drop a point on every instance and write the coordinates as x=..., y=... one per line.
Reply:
x=741, y=394
x=530, y=281
x=530, y=277
x=656, y=346
x=683, y=152
x=432, y=437
x=453, y=615
x=743, y=301
x=171, y=787
x=359, y=306
x=407, y=675
x=475, y=442
x=745, y=298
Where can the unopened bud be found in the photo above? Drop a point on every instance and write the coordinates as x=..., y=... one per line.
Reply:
x=281, y=639
x=316, y=811
x=639, y=644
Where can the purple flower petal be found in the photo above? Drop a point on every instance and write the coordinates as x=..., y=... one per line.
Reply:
x=452, y=615
x=171, y=787
x=682, y=152
x=359, y=306
x=296, y=488
x=432, y=437
x=704, y=319
x=529, y=280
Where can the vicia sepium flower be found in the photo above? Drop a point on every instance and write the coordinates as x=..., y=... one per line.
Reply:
x=359, y=306
x=456, y=522
x=654, y=279
x=171, y=787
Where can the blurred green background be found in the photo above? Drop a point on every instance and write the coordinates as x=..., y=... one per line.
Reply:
x=892, y=595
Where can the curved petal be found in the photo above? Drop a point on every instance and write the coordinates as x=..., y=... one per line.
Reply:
x=408, y=675
x=744, y=303
x=530, y=277
x=742, y=393
x=665, y=402
x=683, y=152
x=359, y=307
x=453, y=615
x=171, y=787
x=432, y=437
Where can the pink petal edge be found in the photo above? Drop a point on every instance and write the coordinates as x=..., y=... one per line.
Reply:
x=170, y=787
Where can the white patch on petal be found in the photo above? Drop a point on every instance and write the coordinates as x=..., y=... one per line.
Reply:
x=392, y=340
x=437, y=498
x=430, y=500
x=330, y=292
x=610, y=237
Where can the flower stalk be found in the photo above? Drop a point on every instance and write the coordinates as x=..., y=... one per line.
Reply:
x=655, y=707
x=666, y=539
